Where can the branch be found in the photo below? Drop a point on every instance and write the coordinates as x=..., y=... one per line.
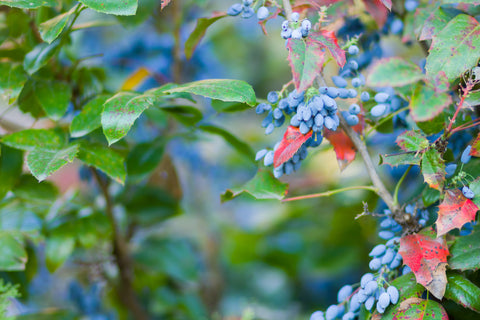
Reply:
x=377, y=182
x=288, y=9
x=125, y=290
x=330, y=193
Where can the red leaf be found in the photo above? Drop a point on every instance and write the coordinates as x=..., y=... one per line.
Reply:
x=291, y=142
x=454, y=211
x=164, y=3
x=343, y=146
x=476, y=147
x=427, y=257
x=378, y=9
x=328, y=40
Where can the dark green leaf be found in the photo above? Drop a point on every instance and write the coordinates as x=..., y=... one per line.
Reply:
x=58, y=248
x=103, y=158
x=221, y=106
x=412, y=141
x=408, y=287
x=433, y=169
x=34, y=138
x=462, y=291
x=54, y=97
x=89, y=118
x=475, y=187
x=393, y=72
x=40, y=55
x=400, y=159
x=239, y=145
x=187, y=115
x=144, y=158
x=199, y=31
x=14, y=256
x=220, y=89
x=465, y=252
x=454, y=50
x=51, y=29
x=119, y=8
x=43, y=162
x=11, y=162
x=12, y=79
x=30, y=189
x=28, y=4
x=121, y=111
x=146, y=8
x=426, y=103
x=262, y=186
x=430, y=196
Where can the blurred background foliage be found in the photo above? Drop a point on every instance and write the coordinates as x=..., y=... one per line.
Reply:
x=194, y=258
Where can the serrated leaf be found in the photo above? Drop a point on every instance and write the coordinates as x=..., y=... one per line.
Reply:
x=89, y=119
x=328, y=40
x=12, y=79
x=463, y=291
x=28, y=4
x=34, y=138
x=292, y=140
x=433, y=169
x=121, y=111
x=199, y=32
x=414, y=309
x=465, y=252
x=104, y=159
x=11, y=162
x=119, y=8
x=412, y=141
x=262, y=186
x=454, y=211
x=454, y=50
x=14, y=255
x=475, y=151
x=220, y=89
x=40, y=55
x=393, y=72
x=306, y=61
x=43, y=162
x=426, y=255
x=232, y=140
x=393, y=160
x=426, y=103
x=51, y=29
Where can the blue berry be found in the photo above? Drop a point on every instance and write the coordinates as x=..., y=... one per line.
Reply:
x=260, y=154
x=247, y=12
x=354, y=108
x=411, y=5
x=329, y=123
x=323, y=90
x=397, y=26
x=295, y=16
x=378, y=110
x=381, y=97
x=332, y=312
x=468, y=193
x=344, y=293
x=286, y=34
x=277, y=114
x=268, y=160
x=285, y=25
x=352, y=120
x=352, y=93
x=386, y=235
x=332, y=92
x=388, y=256
x=306, y=25
x=356, y=82
x=295, y=121
x=269, y=128
x=375, y=264
x=317, y=315
x=262, y=13
x=278, y=172
x=267, y=120
x=297, y=34
x=378, y=250
x=339, y=81
x=343, y=93
x=465, y=158
x=365, y=96
x=353, y=50
x=366, y=278
x=235, y=9
x=450, y=169
x=393, y=293
x=369, y=303
x=247, y=2
x=352, y=64
x=272, y=97
x=304, y=128
x=319, y=120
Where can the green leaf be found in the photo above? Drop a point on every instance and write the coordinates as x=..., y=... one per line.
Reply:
x=408, y=286
x=54, y=97
x=393, y=72
x=463, y=291
x=465, y=252
x=58, y=248
x=199, y=31
x=51, y=29
x=121, y=111
x=187, y=115
x=144, y=158
x=89, y=119
x=11, y=162
x=14, y=256
x=221, y=106
x=454, y=50
x=40, y=55
x=412, y=141
x=119, y=8
x=29, y=189
x=430, y=196
x=34, y=138
x=262, y=186
x=433, y=169
x=28, y=4
x=475, y=187
x=400, y=159
x=426, y=103
x=436, y=21
x=12, y=79
x=415, y=309
x=44, y=162
x=146, y=8
x=104, y=159
x=237, y=144
x=220, y=89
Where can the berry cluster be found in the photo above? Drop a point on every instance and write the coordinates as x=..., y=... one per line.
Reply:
x=465, y=158
x=295, y=29
x=247, y=11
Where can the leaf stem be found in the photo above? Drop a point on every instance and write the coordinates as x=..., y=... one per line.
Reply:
x=330, y=193
x=399, y=183
x=465, y=92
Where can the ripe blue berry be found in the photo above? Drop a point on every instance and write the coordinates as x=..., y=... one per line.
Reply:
x=353, y=50
x=356, y=82
x=381, y=97
x=247, y=12
x=260, y=154
x=304, y=128
x=354, y=108
x=465, y=158
x=365, y=96
x=386, y=235
x=411, y=5
x=375, y=264
x=332, y=92
x=269, y=128
x=272, y=97
x=352, y=93
x=332, y=312
x=317, y=315
x=369, y=303
x=235, y=9
x=352, y=120
x=262, y=13
x=285, y=25
x=450, y=169
x=468, y=193
x=295, y=16
x=378, y=110
x=247, y=2
x=378, y=250
x=352, y=64
x=297, y=34
x=306, y=25
x=286, y=34
x=344, y=293
x=268, y=160
x=393, y=293
x=397, y=26
x=339, y=81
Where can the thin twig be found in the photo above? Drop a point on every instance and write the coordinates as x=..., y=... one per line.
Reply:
x=125, y=290
x=330, y=193
x=288, y=9
x=399, y=183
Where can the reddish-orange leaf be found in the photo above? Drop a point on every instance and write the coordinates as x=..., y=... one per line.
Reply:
x=454, y=211
x=378, y=9
x=476, y=147
x=327, y=39
x=426, y=255
x=291, y=142
x=164, y=3
x=343, y=146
